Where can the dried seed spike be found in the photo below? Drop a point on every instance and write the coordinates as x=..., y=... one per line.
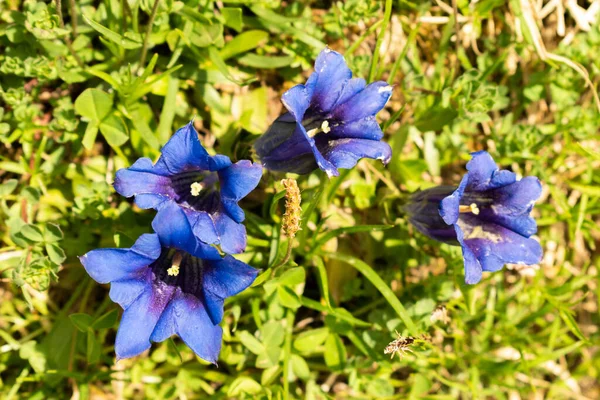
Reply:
x=291, y=218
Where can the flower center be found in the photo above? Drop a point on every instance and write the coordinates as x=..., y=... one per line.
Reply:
x=313, y=127
x=198, y=190
x=180, y=269
x=471, y=208
x=195, y=188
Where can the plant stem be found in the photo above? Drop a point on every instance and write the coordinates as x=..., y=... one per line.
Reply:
x=73, y=17
x=148, y=32
x=67, y=38
x=287, y=352
x=386, y=19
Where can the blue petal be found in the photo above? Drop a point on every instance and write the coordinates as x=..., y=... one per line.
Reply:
x=366, y=128
x=141, y=179
x=222, y=279
x=232, y=234
x=494, y=245
x=512, y=205
x=450, y=206
x=218, y=162
x=328, y=80
x=473, y=269
x=203, y=226
x=237, y=181
x=107, y=265
x=351, y=88
x=165, y=327
x=484, y=173
x=174, y=230
x=140, y=319
x=196, y=329
x=345, y=153
x=365, y=103
x=297, y=101
x=182, y=152
x=125, y=292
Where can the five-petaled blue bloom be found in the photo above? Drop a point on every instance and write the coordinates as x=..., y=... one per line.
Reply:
x=166, y=291
x=195, y=192
x=488, y=215
x=330, y=122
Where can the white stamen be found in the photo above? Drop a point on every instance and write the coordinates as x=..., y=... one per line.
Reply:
x=313, y=132
x=173, y=271
x=325, y=127
x=196, y=188
x=472, y=208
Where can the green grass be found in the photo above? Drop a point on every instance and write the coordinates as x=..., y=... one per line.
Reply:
x=77, y=105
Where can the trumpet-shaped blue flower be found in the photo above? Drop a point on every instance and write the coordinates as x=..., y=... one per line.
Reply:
x=166, y=291
x=193, y=191
x=488, y=215
x=330, y=122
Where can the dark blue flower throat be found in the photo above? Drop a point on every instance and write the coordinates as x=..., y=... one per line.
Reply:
x=198, y=190
x=179, y=269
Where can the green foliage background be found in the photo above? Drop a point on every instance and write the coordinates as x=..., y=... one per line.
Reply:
x=90, y=86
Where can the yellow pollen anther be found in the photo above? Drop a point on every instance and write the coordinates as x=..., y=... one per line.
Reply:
x=472, y=208
x=173, y=271
x=196, y=188
x=325, y=127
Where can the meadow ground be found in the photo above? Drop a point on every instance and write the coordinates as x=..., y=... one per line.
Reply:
x=90, y=86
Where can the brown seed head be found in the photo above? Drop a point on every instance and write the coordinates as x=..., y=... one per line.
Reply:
x=291, y=217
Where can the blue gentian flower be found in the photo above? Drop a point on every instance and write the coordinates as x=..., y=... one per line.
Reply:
x=166, y=291
x=488, y=215
x=195, y=192
x=330, y=122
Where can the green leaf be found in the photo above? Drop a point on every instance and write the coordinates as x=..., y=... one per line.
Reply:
x=107, y=320
x=126, y=42
x=32, y=232
x=272, y=334
x=233, y=18
x=81, y=321
x=55, y=253
x=94, y=104
x=93, y=349
x=335, y=352
x=216, y=59
x=250, y=342
x=30, y=351
x=288, y=298
x=265, y=62
x=568, y=319
x=300, y=367
x=8, y=187
x=243, y=385
x=380, y=285
x=53, y=233
x=89, y=137
x=269, y=358
x=114, y=130
x=243, y=42
x=586, y=189
x=308, y=341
